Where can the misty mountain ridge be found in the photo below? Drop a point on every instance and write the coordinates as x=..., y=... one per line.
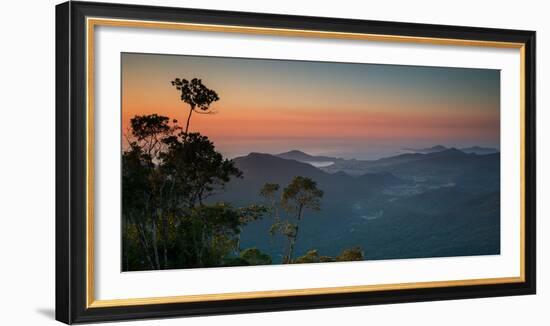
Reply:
x=416, y=154
x=439, y=166
x=259, y=168
x=403, y=206
x=401, y=175
x=480, y=150
x=469, y=150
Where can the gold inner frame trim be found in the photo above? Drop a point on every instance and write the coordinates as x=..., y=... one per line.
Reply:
x=301, y=292
x=92, y=22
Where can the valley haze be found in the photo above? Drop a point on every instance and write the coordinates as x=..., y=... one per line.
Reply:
x=437, y=203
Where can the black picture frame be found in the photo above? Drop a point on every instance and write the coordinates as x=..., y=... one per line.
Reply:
x=71, y=155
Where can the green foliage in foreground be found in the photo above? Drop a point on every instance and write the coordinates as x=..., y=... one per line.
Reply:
x=312, y=256
x=254, y=256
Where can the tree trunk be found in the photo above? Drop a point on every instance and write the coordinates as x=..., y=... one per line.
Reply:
x=143, y=242
x=291, y=248
x=165, y=240
x=162, y=217
x=238, y=244
x=203, y=244
x=188, y=120
x=293, y=239
x=155, y=246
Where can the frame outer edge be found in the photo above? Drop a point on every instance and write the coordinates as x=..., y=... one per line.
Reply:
x=62, y=135
x=531, y=164
x=69, y=172
x=78, y=161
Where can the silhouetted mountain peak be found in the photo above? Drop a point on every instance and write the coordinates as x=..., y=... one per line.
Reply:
x=438, y=148
x=294, y=152
x=305, y=157
x=267, y=161
x=256, y=155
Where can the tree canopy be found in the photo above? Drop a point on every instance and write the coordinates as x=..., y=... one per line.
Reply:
x=196, y=95
x=167, y=175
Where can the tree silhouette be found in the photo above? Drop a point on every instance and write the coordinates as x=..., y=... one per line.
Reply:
x=148, y=131
x=299, y=195
x=142, y=182
x=195, y=168
x=166, y=176
x=196, y=95
x=269, y=193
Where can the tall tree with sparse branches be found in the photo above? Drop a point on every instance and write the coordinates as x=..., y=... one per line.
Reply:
x=301, y=194
x=298, y=196
x=196, y=95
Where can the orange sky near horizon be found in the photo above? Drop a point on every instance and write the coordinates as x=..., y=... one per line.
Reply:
x=266, y=104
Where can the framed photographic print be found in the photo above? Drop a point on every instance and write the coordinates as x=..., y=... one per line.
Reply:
x=216, y=162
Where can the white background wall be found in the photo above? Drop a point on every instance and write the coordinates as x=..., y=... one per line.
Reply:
x=27, y=162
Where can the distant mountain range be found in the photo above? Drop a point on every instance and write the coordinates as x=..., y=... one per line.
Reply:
x=358, y=167
x=259, y=168
x=469, y=150
x=479, y=150
x=437, y=166
x=436, y=148
x=442, y=203
x=443, y=167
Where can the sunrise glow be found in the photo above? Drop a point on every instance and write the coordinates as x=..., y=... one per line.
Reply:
x=322, y=108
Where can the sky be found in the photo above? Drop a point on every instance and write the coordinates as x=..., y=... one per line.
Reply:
x=350, y=110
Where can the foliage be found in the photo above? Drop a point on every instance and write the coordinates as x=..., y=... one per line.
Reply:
x=351, y=254
x=196, y=95
x=195, y=169
x=148, y=131
x=312, y=256
x=208, y=235
x=269, y=191
x=299, y=195
x=252, y=213
x=167, y=175
x=254, y=256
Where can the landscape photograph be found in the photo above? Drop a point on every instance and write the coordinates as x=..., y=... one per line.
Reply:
x=235, y=162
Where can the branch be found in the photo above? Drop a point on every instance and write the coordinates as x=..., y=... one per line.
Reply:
x=207, y=112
